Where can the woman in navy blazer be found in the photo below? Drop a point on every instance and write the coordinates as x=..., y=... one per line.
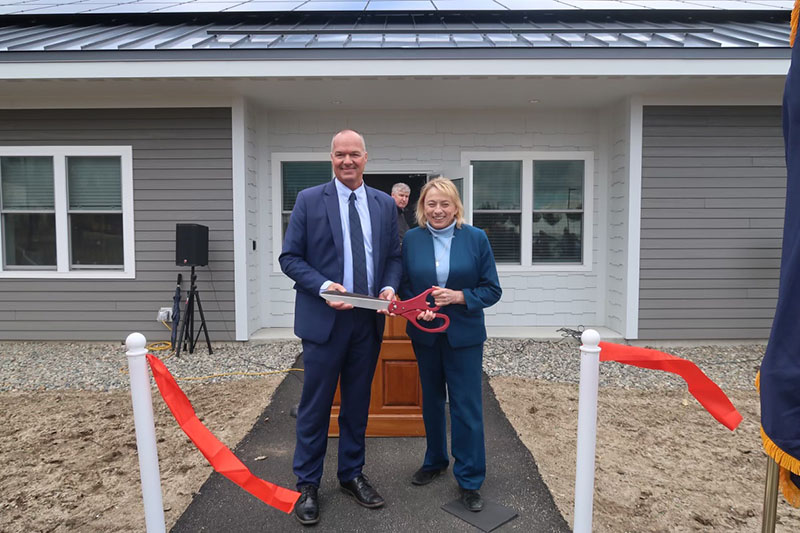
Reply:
x=456, y=258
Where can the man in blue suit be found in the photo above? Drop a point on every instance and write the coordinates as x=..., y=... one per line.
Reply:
x=342, y=236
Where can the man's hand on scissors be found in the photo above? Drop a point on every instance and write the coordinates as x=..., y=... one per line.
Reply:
x=388, y=294
x=339, y=306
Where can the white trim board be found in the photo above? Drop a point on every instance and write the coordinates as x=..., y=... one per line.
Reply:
x=276, y=158
x=59, y=154
x=636, y=115
x=392, y=68
x=526, y=234
x=239, y=177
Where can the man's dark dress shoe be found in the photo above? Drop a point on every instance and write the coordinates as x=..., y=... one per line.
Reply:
x=472, y=500
x=306, y=510
x=423, y=477
x=360, y=489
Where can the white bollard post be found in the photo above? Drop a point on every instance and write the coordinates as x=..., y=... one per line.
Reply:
x=587, y=431
x=145, y=433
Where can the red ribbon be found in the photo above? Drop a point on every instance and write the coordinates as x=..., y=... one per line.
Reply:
x=218, y=455
x=701, y=387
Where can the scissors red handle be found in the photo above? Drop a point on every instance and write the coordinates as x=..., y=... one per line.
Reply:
x=409, y=309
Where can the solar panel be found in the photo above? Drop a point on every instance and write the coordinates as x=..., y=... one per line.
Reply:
x=400, y=5
x=537, y=4
x=388, y=6
x=664, y=4
x=55, y=9
x=602, y=4
x=333, y=6
x=730, y=4
x=198, y=7
x=134, y=8
x=266, y=6
x=468, y=5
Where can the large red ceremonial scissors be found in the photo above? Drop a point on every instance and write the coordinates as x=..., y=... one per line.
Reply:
x=409, y=309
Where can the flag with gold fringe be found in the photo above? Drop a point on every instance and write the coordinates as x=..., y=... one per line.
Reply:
x=779, y=377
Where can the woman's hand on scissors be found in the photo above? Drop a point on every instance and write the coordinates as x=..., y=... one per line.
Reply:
x=443, y=297
x=426, y=316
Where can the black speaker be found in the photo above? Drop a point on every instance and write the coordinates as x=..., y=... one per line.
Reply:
x=191, y=245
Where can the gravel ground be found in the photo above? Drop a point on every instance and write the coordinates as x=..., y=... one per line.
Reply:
x=102, y=366
x=729, y=366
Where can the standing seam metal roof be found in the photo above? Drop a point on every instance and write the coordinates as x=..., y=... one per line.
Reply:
x=381, y=31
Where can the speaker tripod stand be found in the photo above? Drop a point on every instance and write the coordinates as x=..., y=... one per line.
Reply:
x=187, y=329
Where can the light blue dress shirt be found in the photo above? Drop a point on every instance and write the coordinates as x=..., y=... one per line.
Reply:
x=442, y=239
x=362, y=207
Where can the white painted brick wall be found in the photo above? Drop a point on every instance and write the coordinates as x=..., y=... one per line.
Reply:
x=429, y=141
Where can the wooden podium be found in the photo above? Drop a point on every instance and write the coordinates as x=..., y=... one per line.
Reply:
x=395, y=408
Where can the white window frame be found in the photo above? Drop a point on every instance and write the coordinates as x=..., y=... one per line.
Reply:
x=526, y=230
x=278, y=158
x=59, y=155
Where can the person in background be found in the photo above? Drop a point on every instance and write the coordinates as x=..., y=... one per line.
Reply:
x=456, y=259
x=342, y=236
x=400, y=193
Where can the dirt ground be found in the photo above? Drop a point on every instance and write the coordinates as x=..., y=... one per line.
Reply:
x=663, y=464
x=69, y=458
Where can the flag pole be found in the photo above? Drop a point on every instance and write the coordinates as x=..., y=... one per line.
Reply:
x=770, y=497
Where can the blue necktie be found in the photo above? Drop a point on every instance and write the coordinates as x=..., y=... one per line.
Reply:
x=357, y=246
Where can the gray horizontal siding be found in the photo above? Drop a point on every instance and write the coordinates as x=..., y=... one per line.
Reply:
x=181, y=173
x=713, y=194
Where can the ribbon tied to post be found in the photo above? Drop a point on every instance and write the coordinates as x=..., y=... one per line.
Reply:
x=218, y=455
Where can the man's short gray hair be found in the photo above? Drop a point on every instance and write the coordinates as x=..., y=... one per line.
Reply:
x=401, y=187
x=363, y=142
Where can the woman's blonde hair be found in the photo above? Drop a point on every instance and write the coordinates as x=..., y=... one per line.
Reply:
x=446, y=187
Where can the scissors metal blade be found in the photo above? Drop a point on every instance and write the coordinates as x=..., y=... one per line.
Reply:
x=356, y=300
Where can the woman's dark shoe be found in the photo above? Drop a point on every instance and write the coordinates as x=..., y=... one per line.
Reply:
x=306, y=510
x=423, y=477
x=360, y=489
x=472, y=500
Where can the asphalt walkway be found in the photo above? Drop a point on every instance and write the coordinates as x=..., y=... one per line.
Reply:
x=512, y=480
